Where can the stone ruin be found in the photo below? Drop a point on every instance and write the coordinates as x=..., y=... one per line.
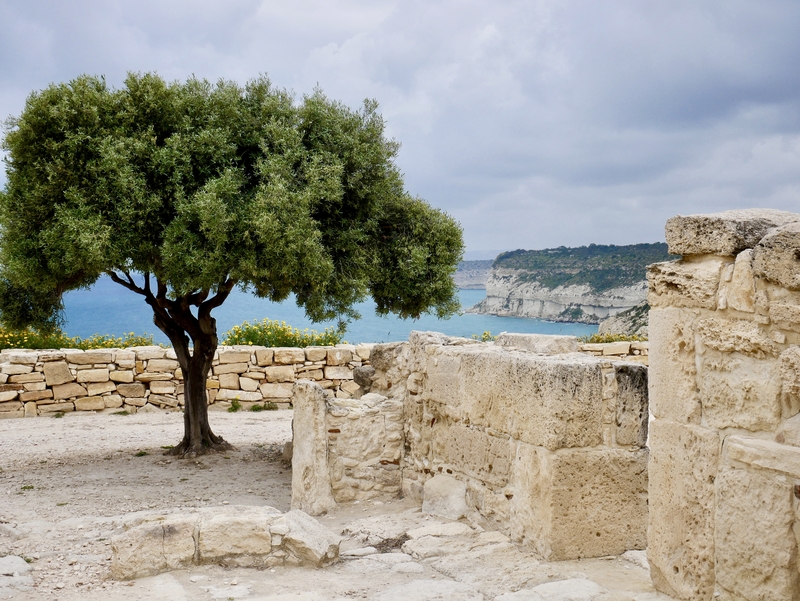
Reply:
x=563, y=451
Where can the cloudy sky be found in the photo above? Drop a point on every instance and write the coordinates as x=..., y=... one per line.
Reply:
x=534, y=123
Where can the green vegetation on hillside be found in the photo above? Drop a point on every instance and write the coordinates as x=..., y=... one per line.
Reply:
x=601, y=266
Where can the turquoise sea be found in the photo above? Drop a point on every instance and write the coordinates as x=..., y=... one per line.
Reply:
x=108, y=308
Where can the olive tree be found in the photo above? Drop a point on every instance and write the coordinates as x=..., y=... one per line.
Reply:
x=182, y=191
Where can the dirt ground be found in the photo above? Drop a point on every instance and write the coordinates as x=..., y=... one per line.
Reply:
x=66, y=485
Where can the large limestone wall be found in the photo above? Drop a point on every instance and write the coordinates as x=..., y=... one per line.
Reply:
x=148, y=378
x=550, y=447
x=725, y=396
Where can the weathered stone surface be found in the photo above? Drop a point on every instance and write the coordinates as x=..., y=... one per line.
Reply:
x=617, y=348
x=135, y=402
x=240, y=535
x=785, y=315
x=277, y=391
x=92, y=375
x=739, y=391
x=735, y=335
x=240, y=395
x=162, y=400
x=162, y=365
x=672, y=373
x=125, y=359
x=230, y=368
x=66, y=391
x=8, y=395
x=363, y=376
x=226, y=356
x=316, y=353
x=136, y=389
x=153, y=547
x=145, y=353
x=740, y=291
x=63, y=407
x=539, y=343
x=338, y=372
x=311, y=485
x=573, y=589
x=126, y=377
x=446, y=497
x=23, y=358
x=90, y=357
x=112, y=401
x=92, y=403
x=430, y=590
x=680, y=537
x=755, y=547
x=248, y=384
x=31, y=410
x=12, y=564
x=288, y=355
x=777, y=256
x=632, y=404
x=11, y=406
x=153, y=377
x=57, y=372
x=279, y=373
x=99, y=388
x=264, y=356
x=763, y=454
x=726, y=234
x=230, y=381
x=306, y=538
x=338, y=356
x=36, y=395
x=167, y=387
x=24, y=378
x=10, y=369
x=685, y=283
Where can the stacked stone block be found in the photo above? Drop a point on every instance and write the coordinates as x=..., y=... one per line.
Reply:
x=725, y=397
x=149, y=379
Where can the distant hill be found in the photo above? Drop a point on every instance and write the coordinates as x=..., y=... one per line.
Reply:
x=473, y=274
x=584, y=284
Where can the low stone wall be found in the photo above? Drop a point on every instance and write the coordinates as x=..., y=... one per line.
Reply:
x=725, y=398
x=148, y=378
x=550, y=448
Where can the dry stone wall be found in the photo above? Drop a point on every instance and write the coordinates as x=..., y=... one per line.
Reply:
x=549, y=447
x=148, y=378
x=725, y=398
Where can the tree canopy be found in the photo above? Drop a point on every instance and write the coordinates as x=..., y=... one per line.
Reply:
x=200, y=187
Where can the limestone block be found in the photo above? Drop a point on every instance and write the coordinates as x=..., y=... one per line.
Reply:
x=739, y=391
x=446, y=497
x=735, y=335
x=112, y=401
x=152, y=377
x=125, y=359
x=350, y=387
x=631, y=404
x=288, y=355
x=311, y=485
x=12, y=414
x=162, y=401
x=248, y=384
x=338, y=356
x=11, y=565
x=727, y=233
x=92, y=375
x=546, y=401
x=162, y=365
x=790, y=380
x=167, y=387
x=31, y=386
x=30, y=410
x=685, y=283
x=135, y=402
x=762, y=454
x=672, y=373
x=45, y=356
x=307, y=539
x=316, y=353
x=36, y=395
x=125, y=377
x=234, y=356
x=57, y=372
x=338, y=372
x=135, y=390
x=775, y=258
x=363, y=376
x=277, y=391
x=212, y=384
x=230, y=381
x=231, y=368
x=264, y=356
x=616, y=348
x=755, y=547
x=240, y=395
x=785, y=315
x=363, y=351
x=24, y=358
x=444, y=382
x=279, y=373
x=63, y=407
x=253, y=375
x=99, y=388
x=90, y=357
x=11, y=406
x=15, y=369
x=91, y=403
x=154, y=547
x=239, y=534
x=145, y=353
x=8, y=395
x=66, y=391
x=739, y=292
x=23, y=378
x=539, y=343
x=680, y=537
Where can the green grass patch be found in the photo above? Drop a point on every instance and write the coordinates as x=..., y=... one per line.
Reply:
x=235, y=406
x=268, y=332
x=140, y=454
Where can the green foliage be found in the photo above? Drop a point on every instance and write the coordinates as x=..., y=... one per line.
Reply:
x=277, y=333
x=268, y=406
x=34, y=339
x=485, y=337
x=140, y=454
x=605, y=338
x=235, y=406
x=204, y=186
x=601, y=267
